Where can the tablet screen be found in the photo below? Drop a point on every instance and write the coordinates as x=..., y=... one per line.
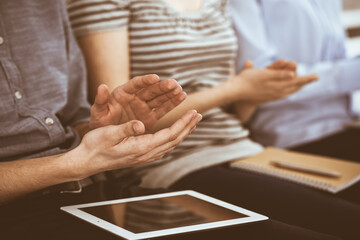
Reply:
x=162, y=213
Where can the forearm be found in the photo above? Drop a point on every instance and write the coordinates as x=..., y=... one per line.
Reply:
x=201, y=101
x=21, y=177
x=104, y=55
x=244, y=110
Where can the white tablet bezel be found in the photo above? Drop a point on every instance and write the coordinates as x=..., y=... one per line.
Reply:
x=74, y=210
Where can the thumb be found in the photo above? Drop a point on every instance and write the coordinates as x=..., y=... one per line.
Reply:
x=102, y=95
x=248, y=64
x=131, y=128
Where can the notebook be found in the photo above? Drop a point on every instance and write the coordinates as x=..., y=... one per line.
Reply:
x=265, y=163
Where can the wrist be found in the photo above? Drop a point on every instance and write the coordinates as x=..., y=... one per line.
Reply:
x=75, y=164
x=236, y=89
x=228, y=92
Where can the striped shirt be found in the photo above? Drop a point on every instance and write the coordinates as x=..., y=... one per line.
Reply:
x=197, y=49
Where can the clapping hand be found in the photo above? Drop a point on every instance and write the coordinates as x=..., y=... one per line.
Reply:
x=277, y=81
x=143, y=98
x=126, y=145
x=297, y=82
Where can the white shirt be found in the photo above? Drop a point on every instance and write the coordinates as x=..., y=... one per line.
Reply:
x=309, y=32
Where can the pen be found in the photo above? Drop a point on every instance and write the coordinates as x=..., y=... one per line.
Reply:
x=306, y=169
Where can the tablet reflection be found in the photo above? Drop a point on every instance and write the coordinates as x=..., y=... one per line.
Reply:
x=162, y=213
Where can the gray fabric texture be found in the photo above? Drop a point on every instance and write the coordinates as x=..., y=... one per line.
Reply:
x=42, y=80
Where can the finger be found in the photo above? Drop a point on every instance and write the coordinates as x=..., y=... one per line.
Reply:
x=307, y=79
x=291, y=66
x=300, y=82
x=159, y=151
x=160, y=100
x=303, y=80
x=116, y=133
x=280, y=74
x=248, y=64
x=101, y=98
x=188, y=130
x=169, y=134
x=279, y=64
x=166, y=98
x=293, y=89
x=159, y=89
x=151, y=146
x=168, y=147
x=140, y=82
x=169, y=105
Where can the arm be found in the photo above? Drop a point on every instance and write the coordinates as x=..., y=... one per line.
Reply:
x=335, y=77
x=107, y=57
x=110, y=66
x=245, y=86
x=103, y=51
x=143, y=98
x=102, y=149
x=21, y=177
x=244, y=110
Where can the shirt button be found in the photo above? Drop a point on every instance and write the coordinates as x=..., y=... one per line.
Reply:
x=18, y=95
x=49, y=121
x=1, y=40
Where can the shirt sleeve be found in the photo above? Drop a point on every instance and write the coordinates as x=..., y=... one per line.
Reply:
x=91, y=16
x=336, y=77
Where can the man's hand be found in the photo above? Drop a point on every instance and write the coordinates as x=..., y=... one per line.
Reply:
x=121, y=146
x=143, y=98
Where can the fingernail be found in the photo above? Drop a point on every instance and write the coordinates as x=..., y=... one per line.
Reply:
x=172, y=84
x=176, y=91
x=137, y=127
x=290, y=74
x=182, y=97
x=197, y=117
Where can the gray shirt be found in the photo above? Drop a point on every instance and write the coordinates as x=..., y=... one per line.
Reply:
x=42, y=80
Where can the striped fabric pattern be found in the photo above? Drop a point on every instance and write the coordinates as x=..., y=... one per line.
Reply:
x=156, y=214
x=196, y=49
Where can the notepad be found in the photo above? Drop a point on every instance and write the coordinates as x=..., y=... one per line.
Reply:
x=263, y=163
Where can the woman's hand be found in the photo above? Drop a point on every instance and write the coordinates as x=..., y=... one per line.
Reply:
x=257, y=86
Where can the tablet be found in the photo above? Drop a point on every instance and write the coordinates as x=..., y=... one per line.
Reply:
x=162, y=214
